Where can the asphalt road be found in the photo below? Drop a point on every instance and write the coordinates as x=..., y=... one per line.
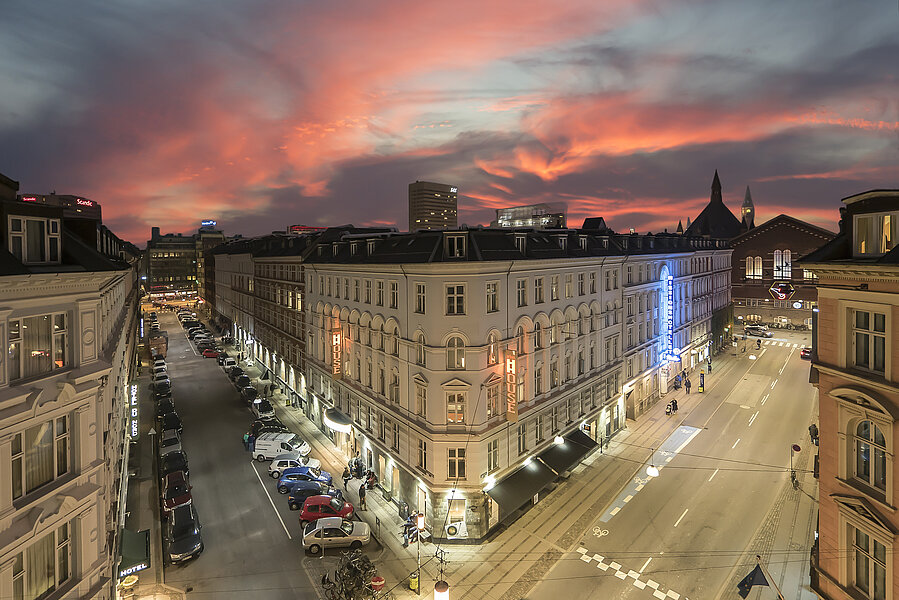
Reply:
x=248, y=551
x=681, y=535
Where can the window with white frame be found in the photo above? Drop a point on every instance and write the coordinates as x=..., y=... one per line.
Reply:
x=869, y=340
x=569, y=284
x=379, y=293
x=868, y=572
x=554, y=287
x=492, y=456
x=394, y=294
x=870, y=455
x=34, y=240
x=455, y=299
x=753, y=267
x=420, y=350
x=45, y=565
x=420, y=298
x=37, y=345
x=538, y=379
x=455, y=463
x=538, y=290
x=580, y=285
x=876, y=233
x=455, y=353
x=455, y=408
x=422, y=455
x=492, y=296
x=455, y=246
x=421, y=400
x=593, y=282
x=40, y=454
x=522, y=438
x=492, y=348
x=493, y=406
x=522, y=288
x=783, y=264
x=521, y=346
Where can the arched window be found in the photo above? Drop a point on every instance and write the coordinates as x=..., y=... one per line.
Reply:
x=455, y=353
x=870, y=455
x=787, y=264
x=520, y=341
x=538, y=336
x=420, y=350
x=491, y=349
x=783, y=264
x=758, y=266
x=753, y=267
x=395, y=342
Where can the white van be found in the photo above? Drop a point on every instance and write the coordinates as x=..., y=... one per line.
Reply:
x=270, y=445
x=228, y=363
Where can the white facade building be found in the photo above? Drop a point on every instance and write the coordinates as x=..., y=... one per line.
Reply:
x=69, y=319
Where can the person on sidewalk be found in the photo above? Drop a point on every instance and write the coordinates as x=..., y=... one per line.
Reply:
x=687, y=385
x=410, y=530
x=246, y=440
x=346, y=478
x=674, y=405
x=251, y=440
x=813, y=433
x=362, y=496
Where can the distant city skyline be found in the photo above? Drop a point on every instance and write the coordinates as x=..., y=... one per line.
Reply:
x=257, y=115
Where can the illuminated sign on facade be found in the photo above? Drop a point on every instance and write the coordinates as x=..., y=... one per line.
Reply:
x=336, y=352
x=453, y=190
x=511, y=385
x=670, y=352
x=782, y=290
x=133, y=416
x=29, y=198
x=208, y=223
x=81, y=202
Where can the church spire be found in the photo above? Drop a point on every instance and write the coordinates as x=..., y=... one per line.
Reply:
x=680, y=227
x=748, y=210
x=716, y=189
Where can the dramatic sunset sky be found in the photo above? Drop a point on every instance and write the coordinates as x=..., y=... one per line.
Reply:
x=265, y=113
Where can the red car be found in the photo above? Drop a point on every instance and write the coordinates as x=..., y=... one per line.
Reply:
x=175, y=491
x=805, y=354
x=210, y=353
x=318, y=507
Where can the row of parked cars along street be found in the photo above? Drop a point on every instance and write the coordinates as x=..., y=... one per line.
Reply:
x=182, y=524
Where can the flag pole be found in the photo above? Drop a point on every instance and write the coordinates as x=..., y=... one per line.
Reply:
x=769, y=578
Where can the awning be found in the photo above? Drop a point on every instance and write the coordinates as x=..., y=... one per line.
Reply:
x=519, y=488
x=135, y=549
x=565, y=456
x=337, y=421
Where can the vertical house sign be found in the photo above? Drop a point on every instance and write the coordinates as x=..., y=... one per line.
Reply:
x=336, y=353
x=511, y=385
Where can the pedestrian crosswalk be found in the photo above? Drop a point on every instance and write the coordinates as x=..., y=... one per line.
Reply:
x=778, y=343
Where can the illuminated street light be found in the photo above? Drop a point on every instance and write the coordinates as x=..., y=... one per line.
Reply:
x=441, y=590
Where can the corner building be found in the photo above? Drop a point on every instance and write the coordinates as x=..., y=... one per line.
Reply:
x=471, y=369
x=856, y=370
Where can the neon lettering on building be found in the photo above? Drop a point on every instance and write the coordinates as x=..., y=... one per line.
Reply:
x=29, y=198
x=336, y=352
x=81, y=202
x=135, y=421
x=511, y=386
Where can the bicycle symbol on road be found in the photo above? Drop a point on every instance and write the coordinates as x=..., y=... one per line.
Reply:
x=600, y=532
x=641, y=481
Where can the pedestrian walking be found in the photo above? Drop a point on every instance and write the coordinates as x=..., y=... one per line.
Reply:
x=674, y=405
x=710, y=365
x=251, y=440
x=813, y=433
x=362, y=497
x=687, y=385
x=346, y=478
x=683, y=375
x=246, y=440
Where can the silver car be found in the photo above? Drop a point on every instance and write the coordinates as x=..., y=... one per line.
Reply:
x=335, y=532
x=169, y=441
x=288, y=461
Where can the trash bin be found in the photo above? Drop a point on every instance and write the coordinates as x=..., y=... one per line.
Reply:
x=404, y=510
x=377, y=583
x=413, y=582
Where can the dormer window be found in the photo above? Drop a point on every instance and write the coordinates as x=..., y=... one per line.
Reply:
x=334, y=249
x=371, y=247
x=563, y=242
x=876, y=233
x=583, y=242
x=354, y=248
x=321, y=250
x=34, y=240
x=520, y=243
x=455, y=246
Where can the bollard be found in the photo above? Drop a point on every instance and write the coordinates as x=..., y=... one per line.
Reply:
x=413, y=582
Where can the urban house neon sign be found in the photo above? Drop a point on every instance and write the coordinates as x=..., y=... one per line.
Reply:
x=511, y=385
x=336, y=352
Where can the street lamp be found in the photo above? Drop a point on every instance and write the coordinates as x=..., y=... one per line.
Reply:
x=420, y=525
x=652, y=470
x=441, y=590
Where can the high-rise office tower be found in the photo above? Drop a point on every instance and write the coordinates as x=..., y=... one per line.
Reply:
x=432, y=206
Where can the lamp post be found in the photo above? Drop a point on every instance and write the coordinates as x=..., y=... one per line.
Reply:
x=441, y=590
x=420, y=526
x=652, y=470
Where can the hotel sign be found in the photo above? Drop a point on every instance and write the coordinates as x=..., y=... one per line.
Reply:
x=511, y=385
x=782, y=290
x=134, y=421
x=336, y=353
x=670, y=351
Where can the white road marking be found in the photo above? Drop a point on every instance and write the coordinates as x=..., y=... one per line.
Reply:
x=765, y=399
x=713, y=475
x=628, y=498
x=735, y=443
x=676, y=523
x=773, y=384
x=645, y=564
x=615, y=510
x=290, y=537
x=753, y=418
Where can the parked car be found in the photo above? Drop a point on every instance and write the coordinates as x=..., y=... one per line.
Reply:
x=288, y=461
x=221, y=358
x=242, y=381
x=303, y=474
x=210, y=353
x=171, y=420
x=163, y=407
x=159, y=362
x=159, y=377
x=270, y=445
x=323, y=507
x=335, y=532
x=805, y=354
x=228, y=364
x=173, y=461
x=234, y=373
x=169, y=441
x=175, y=492
x=162, y=391
x=298, y=491
x=269, y=425
x=248, y=393
x=183, y=534
x=263, y=408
